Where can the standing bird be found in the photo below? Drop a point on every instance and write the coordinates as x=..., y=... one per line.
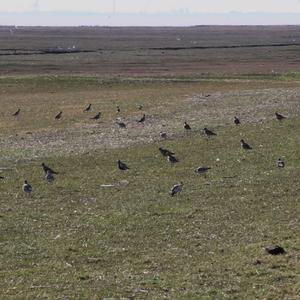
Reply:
x=237, y=121
x=177, y=188
x=208, y=132
x=118, y=109
x=280, y=163
x=142, y=119
x=97, y=117
x=245, y=146
x=27, y=188
x=88, y=108
x=172, y=159
x=275, y=250
x=58, y=116
x=122, y=166
x=47, y=169
x=121, y=124
x=165, y=152
x=16, y=113
x=279, y=117
x=49, y=176
x=163, y=135
x=202, y=170
x=186, y=126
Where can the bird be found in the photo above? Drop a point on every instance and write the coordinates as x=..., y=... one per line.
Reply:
x=208, y=132
x=122, y=166
x=49, y=176
x=202, y=170
x=88, y=108
x=121, y=124
x=165, y=152
x=142, y=119
x=27, y=188
x=275, y=250
x=1, y=177
x=280, y=163
x=177, y=188
x=279, y=117
x=58, y=116
x=140, y=107
x=16, y=113
x=46, y=169
x=237, y=121
x=96, y=117
x=245, y=146
x=186, y=126
x=118, y=109
x=172, y=159
x=163, y=135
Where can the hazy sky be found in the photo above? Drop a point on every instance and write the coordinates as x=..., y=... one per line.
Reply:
x=151, y=6
x=177, y=12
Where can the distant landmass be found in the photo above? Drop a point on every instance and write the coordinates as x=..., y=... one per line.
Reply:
x=61, y=18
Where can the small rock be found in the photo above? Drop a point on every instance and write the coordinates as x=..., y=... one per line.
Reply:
x=257, y=262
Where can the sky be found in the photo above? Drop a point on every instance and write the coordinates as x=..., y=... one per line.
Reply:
x=31, y=11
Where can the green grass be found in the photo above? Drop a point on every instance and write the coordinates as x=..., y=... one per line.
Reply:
x=77, y=240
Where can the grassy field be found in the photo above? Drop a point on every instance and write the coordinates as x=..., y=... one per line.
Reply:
x=77, y=239
x=99, y=233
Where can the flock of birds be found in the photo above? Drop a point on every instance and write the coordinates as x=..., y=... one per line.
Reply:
x=177, y=188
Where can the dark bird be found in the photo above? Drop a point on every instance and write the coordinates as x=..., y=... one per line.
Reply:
x=165, y=152
x=279, y=117
x=121, y=124
x=88, y=108
x=58, y=116
x=1, y=177
x=172, y=159
x=97, y=117
x=142, y=119
x=163, y=135
x=49, y=176
x=16, y=113
x=177, y=188
x=202, y=170
x=27, y=188
x=245, y=146
x=186, y=126
x=280, y=163
x=237, y=121
x=47, y=169
x=208, y=132
x=122, y=166
x=275, y=250
x=118, y=109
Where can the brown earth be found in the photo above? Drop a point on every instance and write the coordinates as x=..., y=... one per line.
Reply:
x=149, y=51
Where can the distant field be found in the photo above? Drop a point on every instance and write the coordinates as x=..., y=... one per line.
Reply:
x=140, y=51
x=99, y=233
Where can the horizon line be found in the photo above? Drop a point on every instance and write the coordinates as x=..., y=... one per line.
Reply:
x=174, y=12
